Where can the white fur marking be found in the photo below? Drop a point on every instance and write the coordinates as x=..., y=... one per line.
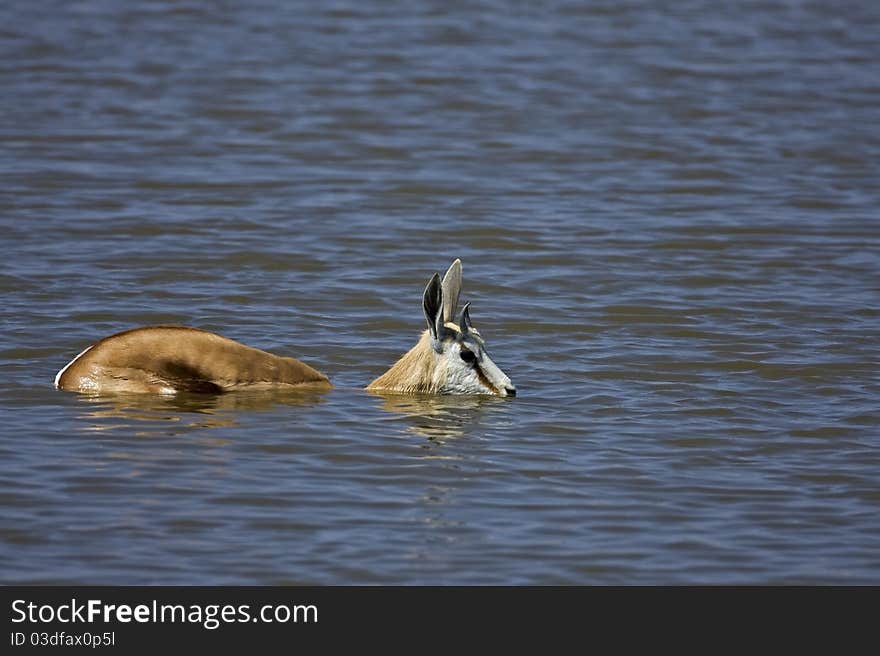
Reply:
x=67, y=366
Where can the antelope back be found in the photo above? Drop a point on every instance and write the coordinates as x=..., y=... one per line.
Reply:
x=168, y=359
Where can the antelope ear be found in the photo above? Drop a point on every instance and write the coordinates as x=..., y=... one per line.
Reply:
x=451, y=290
x=432, y=303
x=466, y=324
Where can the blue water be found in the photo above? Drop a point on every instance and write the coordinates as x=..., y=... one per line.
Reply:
x=668, y=224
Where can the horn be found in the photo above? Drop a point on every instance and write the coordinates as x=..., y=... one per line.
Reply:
x=466, y=324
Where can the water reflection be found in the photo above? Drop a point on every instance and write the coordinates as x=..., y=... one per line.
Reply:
x=439, y=418
x=107, y=411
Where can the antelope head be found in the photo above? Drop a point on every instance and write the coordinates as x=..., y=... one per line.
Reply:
x=450, y=358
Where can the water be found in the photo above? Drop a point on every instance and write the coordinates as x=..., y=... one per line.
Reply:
x=668, y=223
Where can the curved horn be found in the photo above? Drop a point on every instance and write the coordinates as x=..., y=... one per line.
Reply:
x=466, y=324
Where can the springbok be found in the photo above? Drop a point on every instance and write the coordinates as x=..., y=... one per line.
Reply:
x=169, y=359
x=449, y=358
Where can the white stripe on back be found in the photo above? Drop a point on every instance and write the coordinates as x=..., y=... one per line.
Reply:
x=67, y=366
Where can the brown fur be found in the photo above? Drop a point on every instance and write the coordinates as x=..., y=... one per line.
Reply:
x=413, y=373
x=177, y=358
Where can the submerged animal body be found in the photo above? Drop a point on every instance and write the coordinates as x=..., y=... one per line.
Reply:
x=170, y=359
x=449, y=358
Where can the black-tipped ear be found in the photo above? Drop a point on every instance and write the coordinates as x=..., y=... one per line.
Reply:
x=466, y=324
x=432, y=302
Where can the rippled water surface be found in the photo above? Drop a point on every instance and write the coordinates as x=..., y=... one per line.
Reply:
x=669, y=226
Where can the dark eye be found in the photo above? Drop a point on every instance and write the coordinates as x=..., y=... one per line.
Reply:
x=468, y=356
